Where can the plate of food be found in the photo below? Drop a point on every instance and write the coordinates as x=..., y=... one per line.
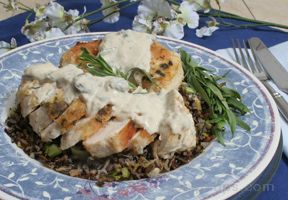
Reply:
x=127, y=115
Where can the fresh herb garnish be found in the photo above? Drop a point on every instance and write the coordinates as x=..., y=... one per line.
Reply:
x=52, y=150
x=224, y=104
x=97, y=66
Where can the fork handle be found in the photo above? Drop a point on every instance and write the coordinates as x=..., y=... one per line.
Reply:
x=280, y=101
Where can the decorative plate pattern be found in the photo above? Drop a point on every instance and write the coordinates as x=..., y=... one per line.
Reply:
x=218, y=173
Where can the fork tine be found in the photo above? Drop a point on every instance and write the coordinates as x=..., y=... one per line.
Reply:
x=235, y=51
x=250, y=61
x=245, y=64
x=258, y=66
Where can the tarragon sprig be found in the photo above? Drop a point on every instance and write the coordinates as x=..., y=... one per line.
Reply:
x=97, y=66
x=224, y=103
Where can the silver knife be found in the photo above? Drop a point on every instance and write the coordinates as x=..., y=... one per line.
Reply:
x=272, y=66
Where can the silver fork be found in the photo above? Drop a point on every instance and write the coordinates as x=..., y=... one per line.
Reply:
x=244, y=58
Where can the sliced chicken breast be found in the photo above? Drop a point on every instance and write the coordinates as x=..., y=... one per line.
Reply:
x=72, y=56
x=39, y=120
x=166, y=66
x=30, y=95
x=182, y=135
x=139, y=141
x=50, y=132
x=47, y=112
x=86, y=127
x=82, y=130
x=112, y=138
x=75, y=111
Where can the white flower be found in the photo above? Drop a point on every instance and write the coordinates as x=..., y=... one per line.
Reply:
x=159, y=26
x=78, y=27
x=206, y=31
x=53, y=21
x=152, y=8
x=114, y=17
x=152, y=16
x=53, y=32
x=141, y=24
x=54, y=11
x=201, y=5
x=5, y=46
x=175, y=30
x=188, y=14
x=34, y=31
x=39, y=11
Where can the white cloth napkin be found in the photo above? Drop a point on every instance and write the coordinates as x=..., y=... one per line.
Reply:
x=280, y=51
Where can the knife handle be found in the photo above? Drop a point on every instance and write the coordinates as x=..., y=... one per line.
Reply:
x=280, y=101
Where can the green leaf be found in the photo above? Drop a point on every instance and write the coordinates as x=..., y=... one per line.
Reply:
x=238, y=105
x=219, y=136
x=231, y=120
x=227, y=92
x=52, y=150
x=125, y=172
x=243, y=124
x=201, y=91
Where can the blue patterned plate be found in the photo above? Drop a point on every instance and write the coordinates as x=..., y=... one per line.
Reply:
x=218, y=173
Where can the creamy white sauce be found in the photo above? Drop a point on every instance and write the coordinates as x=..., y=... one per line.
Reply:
x=127, y=49
x=39, y=71
x=64, y=77
x=148, y=110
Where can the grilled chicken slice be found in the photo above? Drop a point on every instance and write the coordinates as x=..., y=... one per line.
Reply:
x=75, y=111
x=182, y=135
x=112, y=138
x=139, y=141
x=72, y=56
x=39, y=119
x=47, y=112
x=84, y=128
x=30, y=95
x=50, y=132
x=56, y=105
x=59, y=126
x=81, y=131
x=166, y=66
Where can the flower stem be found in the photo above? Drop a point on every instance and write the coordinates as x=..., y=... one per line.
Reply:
x=108, y=15
x=237, y=17
x=96, y=11
x=25, y=6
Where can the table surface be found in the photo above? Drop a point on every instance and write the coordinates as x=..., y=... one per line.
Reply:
x=255, y=9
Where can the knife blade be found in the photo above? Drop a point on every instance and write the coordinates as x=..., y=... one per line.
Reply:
x=271, y=65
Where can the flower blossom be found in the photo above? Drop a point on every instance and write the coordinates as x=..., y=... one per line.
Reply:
x=114, y=17
x=157, y=17
x=207, y=30
x=175, y=30
x=53, y=21
x=5, y=46
x=188, y=14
